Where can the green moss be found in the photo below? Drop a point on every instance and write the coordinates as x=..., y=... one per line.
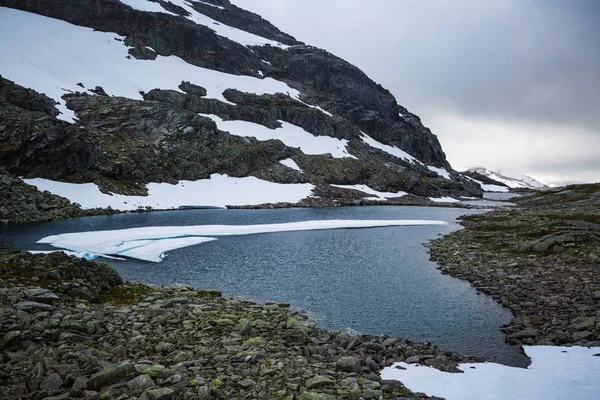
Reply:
x=125, y=294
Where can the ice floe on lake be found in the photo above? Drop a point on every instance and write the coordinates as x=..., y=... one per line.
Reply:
x=150, y=243
x=555, y=373
x=218, y=191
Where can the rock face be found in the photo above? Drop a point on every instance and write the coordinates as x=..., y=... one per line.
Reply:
x=123, y=144
x=20, y=202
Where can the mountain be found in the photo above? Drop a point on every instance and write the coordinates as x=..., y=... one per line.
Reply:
x=161, y=104
x=511, y=179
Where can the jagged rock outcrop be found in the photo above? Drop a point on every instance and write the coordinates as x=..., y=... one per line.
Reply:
x=21, y=203
x=33, y=143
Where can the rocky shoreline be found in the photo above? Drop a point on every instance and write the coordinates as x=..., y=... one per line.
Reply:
x=541, y=260
x=70, y=328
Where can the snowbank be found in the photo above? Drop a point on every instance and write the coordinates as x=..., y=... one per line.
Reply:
x=290, y=135
x=218, y=191
x=556, y=373
x=150, y=243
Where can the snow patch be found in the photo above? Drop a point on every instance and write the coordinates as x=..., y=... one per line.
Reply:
x=489, y=188
x=290, y=135
x=512, y=179
x=208, y=4
x=54, y=64
x=288, y=162
x=440, y=171
x=148, y=6
x=393, y=150
x=556, y=373
x=150, y=243
x=234, y=34
x=444, y=199
x=218, y=191
x=494, y=188
x=378, y=195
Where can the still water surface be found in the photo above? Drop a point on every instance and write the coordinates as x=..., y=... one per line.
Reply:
x=377, y=281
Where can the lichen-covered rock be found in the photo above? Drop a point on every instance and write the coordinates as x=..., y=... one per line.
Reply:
x=111, y=375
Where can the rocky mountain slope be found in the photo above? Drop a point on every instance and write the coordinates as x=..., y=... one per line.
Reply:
x=127, y=94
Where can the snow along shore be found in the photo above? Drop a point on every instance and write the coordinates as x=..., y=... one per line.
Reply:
x=150, y=243
x=218, y=191
x=555, y=373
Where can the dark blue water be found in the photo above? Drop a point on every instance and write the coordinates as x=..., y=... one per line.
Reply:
x=377, y=281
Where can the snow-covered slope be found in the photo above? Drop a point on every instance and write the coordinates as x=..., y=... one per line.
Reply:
x=512, y=179
x=54, y=64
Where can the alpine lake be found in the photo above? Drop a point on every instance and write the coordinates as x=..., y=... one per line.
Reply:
x=375, y=280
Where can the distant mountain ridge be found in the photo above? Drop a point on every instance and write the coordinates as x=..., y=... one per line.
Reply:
x=511, y=179
x=132, y=93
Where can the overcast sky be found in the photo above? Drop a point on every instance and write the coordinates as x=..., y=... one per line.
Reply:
x=504, y=84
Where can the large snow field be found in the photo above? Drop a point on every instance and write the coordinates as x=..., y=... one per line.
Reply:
x=51, y=56
x=555, y=373
x=290, y=135
x=218, y=191
x=150, y=243
x=237, y=35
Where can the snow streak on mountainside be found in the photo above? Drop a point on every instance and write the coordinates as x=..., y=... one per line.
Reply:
x=512, y=179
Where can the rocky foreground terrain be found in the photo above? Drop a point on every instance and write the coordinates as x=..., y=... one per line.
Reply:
x=541, y=260
x=70, y=328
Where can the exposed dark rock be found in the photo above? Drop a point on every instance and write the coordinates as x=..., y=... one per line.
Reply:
x=344, y=90
x=20, y=202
